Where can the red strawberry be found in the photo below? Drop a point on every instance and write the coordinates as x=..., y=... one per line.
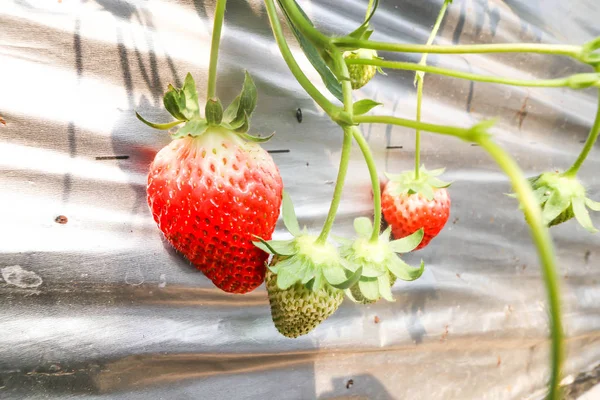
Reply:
x=410, y=204
x=210, y=191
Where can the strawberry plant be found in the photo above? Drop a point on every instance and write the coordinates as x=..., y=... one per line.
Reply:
x=216, y=194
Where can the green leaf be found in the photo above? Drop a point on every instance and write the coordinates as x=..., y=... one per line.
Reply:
x=408, y=243
x=369, y=287
x=174, y=102
x=582, y=215
x=194, y=128
x=240, y=110
x=363, y=226
x=287, y=277
x=593, y=205
x=351, y=281
x=314, y=56
x=254, y=139
x=556, y=204
x=278, y=247
x=334, y=275
x=192, y=108
x=244, y=126
x=404, y=271
x=162, y=127
x=289, y=215
x=214, y=112
x=360, y=32
x=364, y=106
x=385, y=287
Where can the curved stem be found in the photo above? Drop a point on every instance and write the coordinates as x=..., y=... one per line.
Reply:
x=214, y=49
x=368, y=156
x=461, y=133
x=369, y=9
x=543, y=242
x=555, y=83
x=306, y=84
x=558, y=50
x=589, y=144
x=419, y=78
x=539, y=231
x=339, y=186
x=418, y=131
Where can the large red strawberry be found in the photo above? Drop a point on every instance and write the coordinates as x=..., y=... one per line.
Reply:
x=410, y=204
x=210, y=190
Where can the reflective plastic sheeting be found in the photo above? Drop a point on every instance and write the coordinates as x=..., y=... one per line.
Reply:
x=100, y=307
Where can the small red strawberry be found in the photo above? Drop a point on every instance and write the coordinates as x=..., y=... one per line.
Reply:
x=410, y=204
x=210, y=191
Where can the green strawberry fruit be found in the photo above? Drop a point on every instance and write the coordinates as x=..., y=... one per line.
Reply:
x=360, y=74
x=298, y=310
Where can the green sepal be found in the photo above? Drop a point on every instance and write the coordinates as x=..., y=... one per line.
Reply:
x=193, y=127
x=351, y=281
x=408, y=243
x=369, y=287
x=255, y=139
x=214, y=112
x=240, y=110
x=406, y=183
x=588, y=52
x=554, y=206
x=364, y=106
x=404, y=271
x=592, y=205
x=289, y=215
x=582, y=215
x=276, y=247
x=174, y=103
x=162, y=127
x=385, y=287
x=183, y=103
x=479, y=131
x=363, y=226
x=334, y=275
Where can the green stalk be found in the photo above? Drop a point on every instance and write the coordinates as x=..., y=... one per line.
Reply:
x=303, y=24
x=589, y=144
x=543, y=242
x=419, y=78
x=214, y=49
x=306, y=84
x=551, y=83
x=558, y=50
x=462, y=133
x=368, y=156
x=339, y=186
x=539, y=231
x=369, y=9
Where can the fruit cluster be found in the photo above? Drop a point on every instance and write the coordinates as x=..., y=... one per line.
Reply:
x=216, y=194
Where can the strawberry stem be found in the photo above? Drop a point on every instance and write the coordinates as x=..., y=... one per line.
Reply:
x=587, y=147
x=339, y=186
x=368, y=156
x=419, y=77
x=543, y=242
x=552, y=49
x=214, y=49
x=407, y=66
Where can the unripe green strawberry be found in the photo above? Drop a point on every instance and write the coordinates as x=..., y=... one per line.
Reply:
x=360, y=74
x=561, y=198
x=298, y=310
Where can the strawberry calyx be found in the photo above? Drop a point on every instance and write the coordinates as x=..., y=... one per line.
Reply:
x=378, y=260
x=304, y=259
x=184, y=106
x=426, y=184
x=561, y=198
